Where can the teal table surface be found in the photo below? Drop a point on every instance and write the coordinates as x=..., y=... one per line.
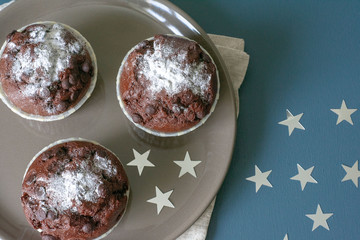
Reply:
x=304, y=56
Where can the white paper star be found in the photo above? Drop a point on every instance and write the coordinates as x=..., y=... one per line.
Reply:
x=161, y=200
x=319, y=218
x=352, y=173
x=187, y=166
x=141, y=161
x=344, y=113
x=260, y=178
x=304, y=176
x=292, y=121
x=286, y=237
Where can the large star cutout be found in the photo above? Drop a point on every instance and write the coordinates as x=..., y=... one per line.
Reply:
x=187, y=166
x=141, y=161
x=319, y=218
x=352, y=173
x=161, y=200
x=344, y=113
x=292, y=121
x=304, y=176
x=260, y=178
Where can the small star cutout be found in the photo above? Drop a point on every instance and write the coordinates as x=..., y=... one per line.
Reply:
x=292, y=121
x=352, y=173
x=141, y=161
x=260, y=178
x=319, y=218
x=286, y=237
x=187, y=166
x=161, y=200
x=304, y=176
x=344, y=113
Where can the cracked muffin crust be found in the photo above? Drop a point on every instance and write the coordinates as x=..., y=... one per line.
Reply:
x=74, y=189
x=46, y=69
x=167, y=84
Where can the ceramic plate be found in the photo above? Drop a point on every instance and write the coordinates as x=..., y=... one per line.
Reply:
x=113, y=27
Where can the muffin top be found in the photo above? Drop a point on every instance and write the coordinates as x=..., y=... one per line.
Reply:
x=45, y=69
x=75, y=189
x=168, y=83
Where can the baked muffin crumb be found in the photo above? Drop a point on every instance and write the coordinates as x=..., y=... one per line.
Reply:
x=75, y=189
x=168, y=83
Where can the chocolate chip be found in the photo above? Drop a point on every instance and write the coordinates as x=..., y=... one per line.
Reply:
x=201, y=114
x=84, y=78
x=62, y=76
x=44, y=92
x=87, y=228
x=162, y=113
x=25, y=78
x=85, y=67
x=78, y=86
x=119, y=216
x=31, y=179
x=192, y=46
x=63, y=95
x=65, y=84
x=40, y=192
x=193, y=52
x=188, y=98
x=136, y=118
x=61, y=106
x=150, y=109
x=61, y=152
x=102, y=190
x=52, y=215
x=45, y=156
x=72, y=79
x=101, y=153
x=48, y=237
x=74, y=95
x=40, y=214
x=190, y=115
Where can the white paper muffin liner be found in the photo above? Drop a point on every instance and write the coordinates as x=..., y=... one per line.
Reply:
x=158, y=133
x=81, y=140
x=70, y=111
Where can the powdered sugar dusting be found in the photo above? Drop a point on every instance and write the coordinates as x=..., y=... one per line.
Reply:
x=166, y=70
x=41, y=66
x=104, y=164
x=11, y=45
x=74, y=187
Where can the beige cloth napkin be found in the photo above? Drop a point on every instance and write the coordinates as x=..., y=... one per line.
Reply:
x=236, y=60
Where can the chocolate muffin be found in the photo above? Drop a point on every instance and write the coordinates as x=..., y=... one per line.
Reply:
x=168, y=85
x=47, y=71
x=74, y=189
